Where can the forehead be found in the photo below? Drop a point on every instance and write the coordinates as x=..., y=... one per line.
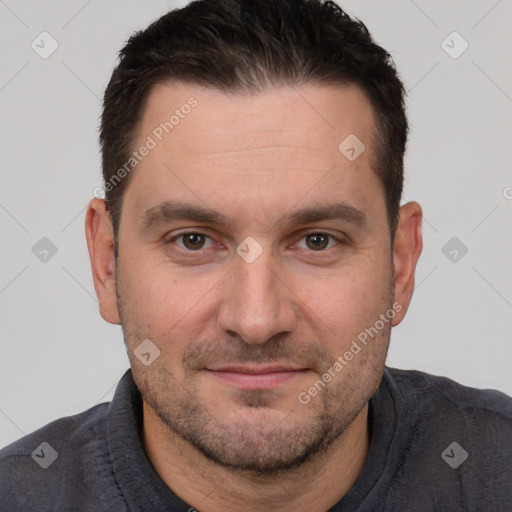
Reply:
x=317, y=116
x=269, y=147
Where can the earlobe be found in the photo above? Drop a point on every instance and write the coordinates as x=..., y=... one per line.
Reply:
x=406, y=252
x=100, y=243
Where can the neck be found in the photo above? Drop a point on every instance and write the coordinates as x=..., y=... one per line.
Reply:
x=316, y=485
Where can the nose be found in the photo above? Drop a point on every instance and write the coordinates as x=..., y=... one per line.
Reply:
x=258, y=303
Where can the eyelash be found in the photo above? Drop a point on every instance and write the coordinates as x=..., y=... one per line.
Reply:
x=198, y=232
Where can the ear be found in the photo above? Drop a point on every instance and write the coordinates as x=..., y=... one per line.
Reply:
x=100, y=242
x=406, y=251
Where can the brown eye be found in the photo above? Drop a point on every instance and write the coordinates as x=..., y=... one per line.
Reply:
x=317, y=241
x=193, y=241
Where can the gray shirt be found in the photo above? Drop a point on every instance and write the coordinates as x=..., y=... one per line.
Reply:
x=435, y=445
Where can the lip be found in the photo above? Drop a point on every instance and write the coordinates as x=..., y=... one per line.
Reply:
x=252, y=377
x=254, y=369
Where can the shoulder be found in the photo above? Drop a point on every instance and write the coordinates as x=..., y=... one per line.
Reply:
x=69, y=430
x=35, y=470
x=452, y=444
x=423, y=390
x=438, y=415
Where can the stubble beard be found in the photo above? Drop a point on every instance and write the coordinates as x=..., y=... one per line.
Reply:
x=261, y=446
x=255, y=443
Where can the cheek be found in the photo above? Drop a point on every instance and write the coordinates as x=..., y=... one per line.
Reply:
x=166, y=305
x=348, y=299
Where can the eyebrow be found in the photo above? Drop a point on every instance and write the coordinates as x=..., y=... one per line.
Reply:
x=169, y=211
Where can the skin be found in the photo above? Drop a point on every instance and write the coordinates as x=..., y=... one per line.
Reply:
x=301, y=303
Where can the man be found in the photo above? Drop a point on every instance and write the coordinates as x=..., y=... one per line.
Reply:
x=252, y=246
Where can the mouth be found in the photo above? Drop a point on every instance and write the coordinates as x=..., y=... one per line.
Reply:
x=256, y=377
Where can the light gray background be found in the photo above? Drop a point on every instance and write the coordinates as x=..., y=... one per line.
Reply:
x=58, y=357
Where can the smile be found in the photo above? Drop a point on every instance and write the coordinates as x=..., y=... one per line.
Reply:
x=253, y=378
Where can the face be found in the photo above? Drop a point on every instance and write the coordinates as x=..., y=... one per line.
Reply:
x=256, y=256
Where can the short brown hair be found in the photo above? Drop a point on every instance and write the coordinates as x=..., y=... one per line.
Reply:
x=246, y=46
